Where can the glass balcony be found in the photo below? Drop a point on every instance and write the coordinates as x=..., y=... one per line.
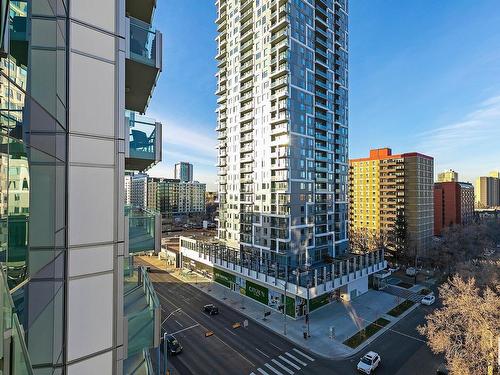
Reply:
x=142, y=312
x=13, y=347
x=143, y=64
x=141, y=9
x=144, y=148
x=144, y=230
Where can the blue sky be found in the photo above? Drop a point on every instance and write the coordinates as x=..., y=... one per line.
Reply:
x=424, y=76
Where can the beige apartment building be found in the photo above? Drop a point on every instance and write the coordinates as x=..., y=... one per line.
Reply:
x=383, y=186
x=488, y=190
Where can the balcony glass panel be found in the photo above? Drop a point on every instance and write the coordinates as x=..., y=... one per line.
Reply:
x=140, y=308
x=141, y=229
x=142, y=42
x=142, y=137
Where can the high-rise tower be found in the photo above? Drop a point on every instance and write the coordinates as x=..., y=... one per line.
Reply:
x=283, y=127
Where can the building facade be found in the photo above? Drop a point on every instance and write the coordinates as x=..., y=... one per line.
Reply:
x=385, y=188
x=68, y=73
x=453, y=205
x=183, y=171
x=488, y=191
x=282, y=128
x=167, y=196
x=448, y=176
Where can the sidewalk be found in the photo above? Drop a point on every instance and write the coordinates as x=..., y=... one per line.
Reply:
x=347, y=318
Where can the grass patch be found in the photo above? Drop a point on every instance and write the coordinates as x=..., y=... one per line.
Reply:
x=401, y=308
x=405, y=285
x=365, y=333
x=425, y=291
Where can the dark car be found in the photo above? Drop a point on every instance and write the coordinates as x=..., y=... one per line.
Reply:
x=211, y=309
x=442, y=370
x=173, y=346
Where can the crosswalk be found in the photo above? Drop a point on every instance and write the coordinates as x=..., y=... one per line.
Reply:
x=403, y=293
x=286, y=363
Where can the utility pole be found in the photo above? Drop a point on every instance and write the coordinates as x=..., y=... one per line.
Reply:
x=285, y=302
x=307, y=315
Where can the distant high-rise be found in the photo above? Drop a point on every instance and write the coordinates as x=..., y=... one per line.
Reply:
x=453, y=204
x=488, y=190
x=448, y=176
x=384, y=185
x=183, y=171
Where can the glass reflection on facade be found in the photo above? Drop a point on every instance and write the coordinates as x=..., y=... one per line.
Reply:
x=33, y=173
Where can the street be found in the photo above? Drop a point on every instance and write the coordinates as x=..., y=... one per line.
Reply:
x=256, y=350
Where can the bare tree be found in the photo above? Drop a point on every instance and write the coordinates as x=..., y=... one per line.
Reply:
x=459, y=244
x=364, y=240
x=466, y=328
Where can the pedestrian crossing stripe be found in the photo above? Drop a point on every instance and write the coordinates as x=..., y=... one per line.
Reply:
x=289, y=362
x=282, y=366
x=296, y=359
x=303, y=354
x=286, y=362
x=273, y=369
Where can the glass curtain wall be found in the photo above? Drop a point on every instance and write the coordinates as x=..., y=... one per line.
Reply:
x=33, y=120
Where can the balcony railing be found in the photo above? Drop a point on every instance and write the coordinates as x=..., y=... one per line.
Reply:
x=142, y=312
x=13, y=350
x=144, y=147
x=143, y=65
x=144, y=230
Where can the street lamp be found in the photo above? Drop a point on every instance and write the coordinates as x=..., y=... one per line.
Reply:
x=165, y=349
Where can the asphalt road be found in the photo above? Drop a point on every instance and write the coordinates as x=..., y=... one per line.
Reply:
x=259, y=351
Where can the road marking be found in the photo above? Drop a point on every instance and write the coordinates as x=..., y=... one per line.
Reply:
x=277, y=347
x=303, y=354
x=296, y=359
x=261, y=352
x=282, y=366
x=206, y=329
x=231, y=332
x=185, y=329
x=409, y=336
x=273, y=369
x=289, y=362
x=178, y=323
x=262, y=371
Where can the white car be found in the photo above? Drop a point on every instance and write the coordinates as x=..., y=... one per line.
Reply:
x=411, y=271
x=369, y=363
x=394, y=268
x=428, y=300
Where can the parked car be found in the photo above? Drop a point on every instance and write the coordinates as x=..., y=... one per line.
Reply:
x=211, y=309
x=173, y=345
x=369, y=362
x=411, y=271
x=428, y=299
x=394, y=268
x=442, y=370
